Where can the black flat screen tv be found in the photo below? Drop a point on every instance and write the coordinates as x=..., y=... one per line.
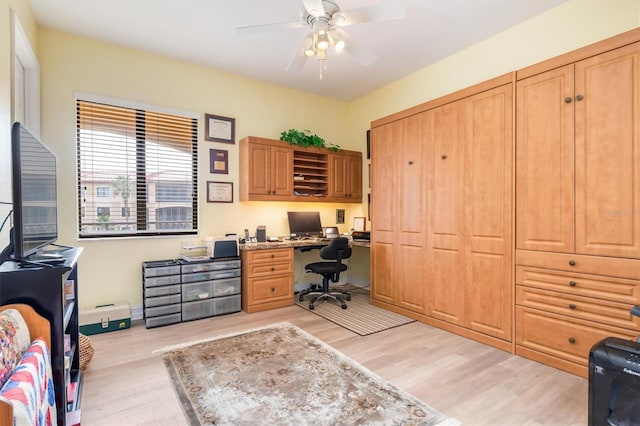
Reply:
x=35, y=212
x=304, y=224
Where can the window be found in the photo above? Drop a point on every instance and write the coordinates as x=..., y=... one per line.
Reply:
x=143, y=164
x=103, y=192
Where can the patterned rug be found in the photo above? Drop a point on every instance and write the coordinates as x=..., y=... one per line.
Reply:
x=281, y=375
x=361, y=316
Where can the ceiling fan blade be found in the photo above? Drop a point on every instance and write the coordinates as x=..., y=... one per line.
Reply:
x=314, y=7
x=299, y=58
x=376, y=12
x=364, y=56
x=256, y=29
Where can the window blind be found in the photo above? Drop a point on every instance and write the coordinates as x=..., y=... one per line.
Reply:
x=137, y=171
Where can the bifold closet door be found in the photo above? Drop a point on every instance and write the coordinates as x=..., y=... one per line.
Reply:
x=384, y=187
x=444, y=134
x=487, y=205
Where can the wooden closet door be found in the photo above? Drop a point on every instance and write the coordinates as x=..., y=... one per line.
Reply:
x=446, y=212
x=608, y=154
x=488, y=180
x=412, y=215
x=384, y=187
x=545, y=162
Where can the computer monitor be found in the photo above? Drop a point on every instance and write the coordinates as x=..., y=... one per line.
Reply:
x=304, y=224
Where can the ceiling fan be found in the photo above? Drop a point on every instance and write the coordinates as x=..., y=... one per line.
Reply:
x=325, y=18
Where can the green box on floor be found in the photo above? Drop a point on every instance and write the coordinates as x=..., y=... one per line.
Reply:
x=104, y=318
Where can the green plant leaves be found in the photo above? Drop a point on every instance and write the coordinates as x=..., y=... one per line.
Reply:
x=305, y=139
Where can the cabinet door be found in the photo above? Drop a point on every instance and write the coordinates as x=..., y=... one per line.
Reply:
x=608, y=154
x=354, y=180
x=383, y=210
x=545, y=162
x=259, y=169
x=488, y=166
x=412, y=215
x=446, y=212
x=281, y=168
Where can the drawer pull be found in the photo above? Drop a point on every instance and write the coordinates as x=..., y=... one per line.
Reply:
x=572, y=283
x=572, y=340
x=572, y=306
x=273, y=268
x=273, y=255
x=572, y=263
x=273, y=289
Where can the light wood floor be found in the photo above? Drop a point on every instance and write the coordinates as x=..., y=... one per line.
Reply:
x=126, y=383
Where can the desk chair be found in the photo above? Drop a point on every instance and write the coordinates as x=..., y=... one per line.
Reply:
x=338, y=249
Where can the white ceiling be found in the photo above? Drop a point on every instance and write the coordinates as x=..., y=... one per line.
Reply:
x=204, y=32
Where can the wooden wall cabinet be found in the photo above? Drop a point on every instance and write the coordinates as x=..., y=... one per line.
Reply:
x=578, y=193
x=273, y=170
x=346, y=176
x=267, y=279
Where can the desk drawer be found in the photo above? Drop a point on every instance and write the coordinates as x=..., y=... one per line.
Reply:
x=272, y=269
x=567, y=338
x=268, y=256
x=265, y=290
x=602, y=311
x=601, y=287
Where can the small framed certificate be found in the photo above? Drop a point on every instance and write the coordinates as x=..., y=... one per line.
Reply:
x=219, y=192
x=219, y=129
x=359, y=223
x=219, y=161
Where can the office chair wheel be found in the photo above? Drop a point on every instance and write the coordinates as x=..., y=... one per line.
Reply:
x=301, y=297
x=344, y=306
x=311, y=307
x=348, y=297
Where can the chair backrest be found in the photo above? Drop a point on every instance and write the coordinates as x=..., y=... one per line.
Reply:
x=337, y=249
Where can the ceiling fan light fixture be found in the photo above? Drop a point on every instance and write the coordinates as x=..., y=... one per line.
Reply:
x=309, y=49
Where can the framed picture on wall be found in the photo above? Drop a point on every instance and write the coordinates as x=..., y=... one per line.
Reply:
x=219, y=129
x=219, y=161
x=219, y=192
x=359, y=223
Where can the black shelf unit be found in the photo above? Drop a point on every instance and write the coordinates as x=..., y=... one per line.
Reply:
x=43, y=287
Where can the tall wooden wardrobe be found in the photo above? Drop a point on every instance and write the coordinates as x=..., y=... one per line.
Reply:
x=441, y=180
x=578, y=203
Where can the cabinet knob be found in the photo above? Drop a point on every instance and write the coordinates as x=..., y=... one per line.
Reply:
x=273, y=255
x=273, y=289
x=273, y=269
x=572, y=263
x=579, y=97
x=443, y=156
x=572, y=306
x=567, y=99
x=410, y=163
x=572, y=340
x=572, y=283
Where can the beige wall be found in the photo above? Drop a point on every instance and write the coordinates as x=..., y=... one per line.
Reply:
x=110, y=270
x=22, y=12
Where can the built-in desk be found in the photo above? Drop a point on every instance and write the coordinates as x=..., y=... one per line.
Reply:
x=268, y=271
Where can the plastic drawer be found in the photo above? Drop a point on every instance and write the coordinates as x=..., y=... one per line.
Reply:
x=158, y=281
x=210, y=275
x=226, y=287
x=197, y=291
x=162, y=310
x=171, y=299
x=165, y=270
x=226, y=305
x=210, y=266
x=195, y=310
x=162, y=291
x=163, y=320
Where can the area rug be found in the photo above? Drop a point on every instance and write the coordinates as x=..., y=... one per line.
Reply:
x=281, y=375
x=361, y=316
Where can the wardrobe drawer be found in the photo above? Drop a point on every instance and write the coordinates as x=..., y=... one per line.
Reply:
x=601, y=311
x=560, y=336
x=268, y=256
x=601, y=287
x=609, y=266
x=266, y=290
